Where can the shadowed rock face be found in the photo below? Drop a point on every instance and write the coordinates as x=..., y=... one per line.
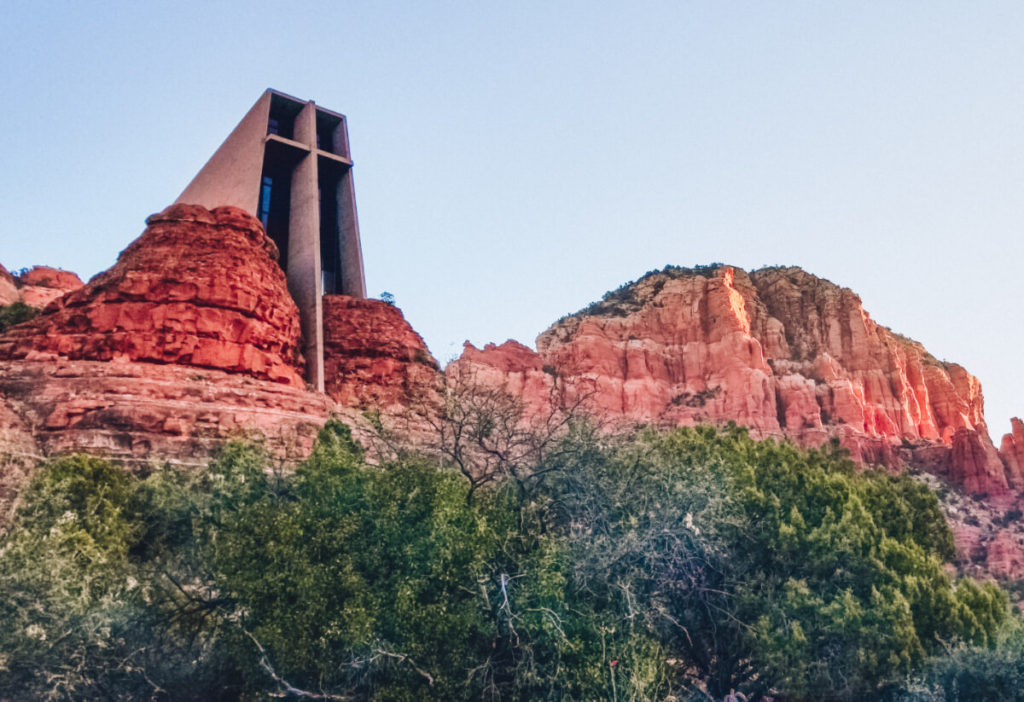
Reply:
x=199, y=288
x=778, y=350
x=372, y=357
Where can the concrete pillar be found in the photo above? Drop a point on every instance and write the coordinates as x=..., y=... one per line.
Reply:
x=304, y=248
x=352, y=280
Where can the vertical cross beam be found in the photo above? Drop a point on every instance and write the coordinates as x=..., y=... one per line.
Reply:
x=304, y=248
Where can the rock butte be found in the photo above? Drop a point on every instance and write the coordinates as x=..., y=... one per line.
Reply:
x=779, y=350
x=199, y=288
x=192, y=338
x=36, y=287
x=372, y=357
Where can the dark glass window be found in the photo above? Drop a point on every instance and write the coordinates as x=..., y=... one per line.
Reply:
x=281, y=117
x=330, y=235
x=264, y=208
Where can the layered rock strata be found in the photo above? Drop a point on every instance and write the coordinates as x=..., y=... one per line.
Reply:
x=140, y=413
x=19, y=453
x=191, y=340
x=778, y=350
x=199, y=288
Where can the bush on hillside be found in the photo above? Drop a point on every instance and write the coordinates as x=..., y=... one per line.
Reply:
x=15, y=313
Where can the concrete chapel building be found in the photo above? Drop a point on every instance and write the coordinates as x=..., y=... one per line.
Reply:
x=288, y=164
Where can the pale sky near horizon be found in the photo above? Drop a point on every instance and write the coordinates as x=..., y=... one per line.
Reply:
x=516, y=160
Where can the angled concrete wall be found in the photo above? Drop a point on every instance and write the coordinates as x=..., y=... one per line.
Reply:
x=232, y=175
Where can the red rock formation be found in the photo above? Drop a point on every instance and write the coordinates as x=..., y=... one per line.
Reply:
x=372, y=357
x=42, y=285
x=143, y=412
x=199, y=288
x=976, y=465
x=1011, y=449
x=511, y=366
x=8, y=290
x=1005, y=555
x=778, y=350
x=173, y=350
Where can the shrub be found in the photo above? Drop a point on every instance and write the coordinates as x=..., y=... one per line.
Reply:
x=15, y=313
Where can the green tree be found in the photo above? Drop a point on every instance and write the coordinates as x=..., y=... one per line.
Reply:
x=641, y=566
x=762, y=567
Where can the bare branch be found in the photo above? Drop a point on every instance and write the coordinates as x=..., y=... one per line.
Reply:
x=289, y=690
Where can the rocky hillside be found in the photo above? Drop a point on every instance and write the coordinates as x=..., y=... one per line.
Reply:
x=789, y=355
x=189, y=340
x=192, y=338
x=36, y=287
x=778, y=350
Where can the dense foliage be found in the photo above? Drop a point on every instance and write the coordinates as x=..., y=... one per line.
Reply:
x=15, y=313
x=678, y=565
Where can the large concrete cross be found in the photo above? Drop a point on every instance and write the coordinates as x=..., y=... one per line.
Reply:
x=288, y=164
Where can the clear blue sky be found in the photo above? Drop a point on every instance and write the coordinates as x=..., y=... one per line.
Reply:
x=515, y=160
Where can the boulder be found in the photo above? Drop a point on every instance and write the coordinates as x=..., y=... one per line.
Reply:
x=8, y=290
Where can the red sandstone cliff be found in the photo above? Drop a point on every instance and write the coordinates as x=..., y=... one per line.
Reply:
x=190, y=340
x=199, y=288
x=778, y=350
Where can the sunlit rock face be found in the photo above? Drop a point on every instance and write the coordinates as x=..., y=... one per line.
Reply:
x=199, y=288
x=778, y=350
x=1011, y=448
x=8, y=290
x=41, y=285
x=190, y=340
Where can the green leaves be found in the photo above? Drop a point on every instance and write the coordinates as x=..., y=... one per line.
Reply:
x=684, y=563
x=15, y=313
